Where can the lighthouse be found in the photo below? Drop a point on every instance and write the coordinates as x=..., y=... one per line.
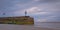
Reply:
x=25, y=13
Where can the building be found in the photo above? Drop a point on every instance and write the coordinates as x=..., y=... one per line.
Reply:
x=17, y=20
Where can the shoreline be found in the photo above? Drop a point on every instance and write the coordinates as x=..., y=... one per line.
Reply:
x=22, y=27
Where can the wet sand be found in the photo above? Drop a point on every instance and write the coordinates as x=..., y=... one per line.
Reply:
x=22, y=27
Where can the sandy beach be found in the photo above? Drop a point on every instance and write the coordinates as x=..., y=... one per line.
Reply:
x=22, y=27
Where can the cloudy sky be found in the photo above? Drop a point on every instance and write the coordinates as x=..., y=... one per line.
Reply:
x=41, y=10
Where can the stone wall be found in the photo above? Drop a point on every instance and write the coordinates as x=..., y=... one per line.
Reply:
x=17, y=20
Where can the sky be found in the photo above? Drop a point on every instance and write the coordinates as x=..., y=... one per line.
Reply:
x=40, y=10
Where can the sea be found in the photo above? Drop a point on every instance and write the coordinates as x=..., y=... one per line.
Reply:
x=36, y=24
x=55, y=25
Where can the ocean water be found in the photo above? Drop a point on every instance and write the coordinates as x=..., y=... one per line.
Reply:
x=36, y=24
x=47, y=25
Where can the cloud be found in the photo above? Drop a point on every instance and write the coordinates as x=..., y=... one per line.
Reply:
x=52, y=16
x=36, y=0
x=48, y=19
x=41, y=20
x=31, y=11
x=35, y=10
x=48, y=1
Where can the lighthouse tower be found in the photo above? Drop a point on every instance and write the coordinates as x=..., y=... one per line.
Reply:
x=25, y=13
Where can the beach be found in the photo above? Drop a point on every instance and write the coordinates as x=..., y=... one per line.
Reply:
x=22, y=27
